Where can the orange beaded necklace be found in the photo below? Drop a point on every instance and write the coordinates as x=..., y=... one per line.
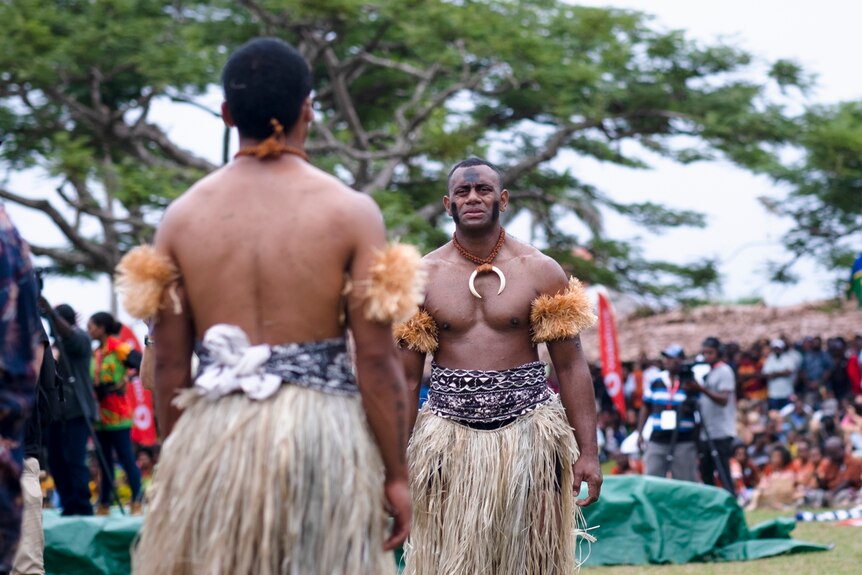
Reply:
x=484, y=265
x=272, y=147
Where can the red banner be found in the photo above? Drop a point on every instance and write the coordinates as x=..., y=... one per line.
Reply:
x=144, y=424
x=612, y=370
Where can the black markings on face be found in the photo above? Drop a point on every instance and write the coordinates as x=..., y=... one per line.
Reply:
x=471, y=176
x=453, y=211
x=495, y=213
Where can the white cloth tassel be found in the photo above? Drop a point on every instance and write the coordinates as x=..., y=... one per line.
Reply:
x=237, y=365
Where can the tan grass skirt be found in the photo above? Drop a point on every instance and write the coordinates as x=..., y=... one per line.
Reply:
x=496, y=502
x=292, y=485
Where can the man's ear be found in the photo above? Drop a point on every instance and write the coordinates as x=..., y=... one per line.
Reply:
x=226, y=116
x=504, y=200
x=308, y=111
x=447, y=203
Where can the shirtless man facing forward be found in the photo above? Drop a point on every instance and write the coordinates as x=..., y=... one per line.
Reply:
x=494, y=462
x=272, y=467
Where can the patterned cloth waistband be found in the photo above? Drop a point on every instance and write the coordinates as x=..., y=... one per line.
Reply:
x=473, y=396
x=228, y=365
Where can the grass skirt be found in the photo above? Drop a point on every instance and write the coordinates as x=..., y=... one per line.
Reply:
x=494, y=502
x=292, y=485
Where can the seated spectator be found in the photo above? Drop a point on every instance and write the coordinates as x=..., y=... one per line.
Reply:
x=824, y=422
x=839, y=475
x=851, y=425
x=804, y=465
x=798, y=415
x=627, y=465
x=744, y=473
x=758, y=451
x=776, y=489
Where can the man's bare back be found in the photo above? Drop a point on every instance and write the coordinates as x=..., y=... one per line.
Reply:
x=492, y=333
x=265, y=246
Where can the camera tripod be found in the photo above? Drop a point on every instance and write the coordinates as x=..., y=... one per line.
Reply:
x=713, y=450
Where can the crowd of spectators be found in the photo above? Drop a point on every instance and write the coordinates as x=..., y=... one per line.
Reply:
x=795, y=414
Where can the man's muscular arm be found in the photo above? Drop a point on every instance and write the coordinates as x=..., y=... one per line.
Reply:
x=379, y=370
x=173, y=342
x=578, y=398
x=414, y=368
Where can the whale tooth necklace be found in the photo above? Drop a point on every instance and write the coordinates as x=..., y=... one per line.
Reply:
x=484, y=265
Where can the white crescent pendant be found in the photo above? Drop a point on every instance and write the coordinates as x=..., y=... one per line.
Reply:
x=494, y=269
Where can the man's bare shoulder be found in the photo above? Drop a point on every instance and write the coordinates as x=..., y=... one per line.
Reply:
x=440, y=258
x=546, y=272
x=183, y=207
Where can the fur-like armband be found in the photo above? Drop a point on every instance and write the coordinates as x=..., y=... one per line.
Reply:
x=396, y=284
x=561, y=316
x=142, y=277
x=419, y=333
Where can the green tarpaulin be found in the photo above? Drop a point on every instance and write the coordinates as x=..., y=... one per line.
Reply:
x=641, y=520
x=649, y=520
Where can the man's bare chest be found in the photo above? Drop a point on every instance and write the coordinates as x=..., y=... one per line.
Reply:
x=454, y=308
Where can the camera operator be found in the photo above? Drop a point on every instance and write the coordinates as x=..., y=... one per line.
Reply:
x=67, y=445
x=717, y=404
x=668, y=410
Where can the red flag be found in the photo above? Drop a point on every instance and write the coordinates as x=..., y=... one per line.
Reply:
x=144, y=424
x=612, y=371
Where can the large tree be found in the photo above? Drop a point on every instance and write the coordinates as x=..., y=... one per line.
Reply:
x=825, y=198
x=403, y=89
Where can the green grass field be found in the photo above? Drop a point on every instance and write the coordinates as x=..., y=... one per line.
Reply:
x=844, y=559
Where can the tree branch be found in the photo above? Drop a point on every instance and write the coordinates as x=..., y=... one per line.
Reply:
x=72, y=259
x=65, y=227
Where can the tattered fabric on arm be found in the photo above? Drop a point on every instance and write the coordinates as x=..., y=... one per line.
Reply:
x=396, y=284
x=419, y=333
x=561, y=316
x=142, y=277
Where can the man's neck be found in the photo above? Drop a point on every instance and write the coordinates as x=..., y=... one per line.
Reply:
x=478, y=242
x=292, y=139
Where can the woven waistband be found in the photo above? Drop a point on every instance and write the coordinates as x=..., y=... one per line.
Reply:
x=475, y=396
x=323, y=365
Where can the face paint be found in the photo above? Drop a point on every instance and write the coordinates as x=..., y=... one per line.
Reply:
x=495, y=212
x=471, y=176
x=453, y=211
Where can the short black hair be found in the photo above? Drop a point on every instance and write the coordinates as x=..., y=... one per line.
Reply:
x=107, y=322
x=470, y=162
x=263, y=80
x=712, y=342
x=786, y=458
x=66, y=312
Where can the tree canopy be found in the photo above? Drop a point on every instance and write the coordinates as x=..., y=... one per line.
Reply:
x=403, y=90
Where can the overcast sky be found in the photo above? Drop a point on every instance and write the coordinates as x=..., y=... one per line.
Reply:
x=823, y=36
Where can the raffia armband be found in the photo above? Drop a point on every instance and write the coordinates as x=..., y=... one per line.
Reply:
x=561, y=316
x=419, y=333
x=396, y=284
x=142, y=277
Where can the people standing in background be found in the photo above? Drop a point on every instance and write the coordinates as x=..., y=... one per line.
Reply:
x=67, y=441
x=815, y=370
x=110, y=364
x=750, y=380
x=668, y=410
x=779, y=369
x=717, y=404
x=838, y=383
